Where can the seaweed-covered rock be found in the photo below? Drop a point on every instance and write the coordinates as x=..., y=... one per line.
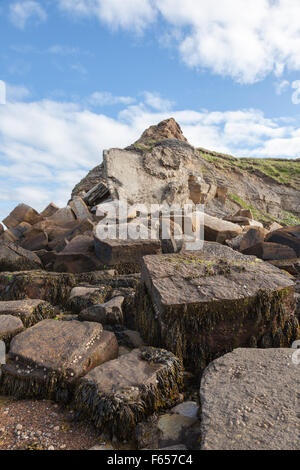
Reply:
x=109, y=313
x=46, y=360
x=121, y=393
x=52, y=287
x=82, y=297
x=30, y=311
x=250, y=401
x=15, y=258
x=203, y=304
x=10, y=326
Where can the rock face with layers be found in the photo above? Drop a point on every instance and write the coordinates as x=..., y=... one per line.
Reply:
x=203, y=304
x=46, y=360
x=15, y=258
x=121, y=393
x=250, y=401
x=30, y=311
x=289, y=236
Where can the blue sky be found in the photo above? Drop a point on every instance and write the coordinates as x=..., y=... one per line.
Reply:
x=85, y=75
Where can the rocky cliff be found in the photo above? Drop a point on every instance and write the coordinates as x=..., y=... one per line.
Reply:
x=269, y=187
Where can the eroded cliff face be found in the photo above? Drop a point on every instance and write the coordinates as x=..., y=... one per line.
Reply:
x=162, y=166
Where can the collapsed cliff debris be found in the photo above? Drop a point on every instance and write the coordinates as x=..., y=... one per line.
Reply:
x=84, y=317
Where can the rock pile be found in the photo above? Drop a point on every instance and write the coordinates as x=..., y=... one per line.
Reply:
x=123, y=329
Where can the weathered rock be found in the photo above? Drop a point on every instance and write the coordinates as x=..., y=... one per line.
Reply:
x=1, y=229
x=217, y=230
x=152, y=177
x=15, y=258
x=82, y=298
x=79, y=208
x=203, y=304
x=10, y=326
x=10, y=235
x=249, y=401
x=125, y=255
x=243, y=221
x=22, y=213
x=274, y=226
x=55, y=288
x=244, y=213
x=168, y=129
x=187, y=408
x=251, y=238
x=62, y=216
x=200, y=191
x=121, y=393
x=96, y=194
x=47, y=360
x=268, y=251
x=109, y=313
x=292, y=266
x=35, y=240
x=132, y=339
x=169, y=431
x=289, y=236
x=30, y=311
x=78, y=256
x=49, y=210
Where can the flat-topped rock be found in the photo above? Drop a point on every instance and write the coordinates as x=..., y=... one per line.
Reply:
x=10, y=326
x=121, y=393
x=78, y=256
x=203, y=304
x=15, y=258
x=250, y=401
x=125, y=255
x=269, y=251
x=47, y=359
x=52, y=287
x=30, y=311
x=218, y=230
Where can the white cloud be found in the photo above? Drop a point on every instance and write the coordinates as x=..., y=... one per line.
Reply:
x=16, y=92
x=46, y=147
x=127, y=14
x=105, y=98
x=155, y=101
x=21, y=12
x=228, y=37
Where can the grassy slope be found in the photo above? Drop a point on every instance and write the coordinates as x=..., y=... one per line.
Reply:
x=281, y=171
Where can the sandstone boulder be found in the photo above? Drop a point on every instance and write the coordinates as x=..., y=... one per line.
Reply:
x=30, y=311
x=22, y=213
x=79, y=208
x=270, y=251
x=10, y=326
x=35, y=240
x=249, y=401
x=289, y=236
x=120, y=393
x=109, y=313
x=47, y=360
x=55, y=288
x=251, y=238
x=15, y=258
x=78, y=256
x=217, y=230
x=62, y=216
x=203, y=304
x=49, y=210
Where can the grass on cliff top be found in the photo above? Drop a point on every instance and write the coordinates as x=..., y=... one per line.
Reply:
x=282, y=171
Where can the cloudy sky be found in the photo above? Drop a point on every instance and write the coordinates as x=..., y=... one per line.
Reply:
x=85, y=75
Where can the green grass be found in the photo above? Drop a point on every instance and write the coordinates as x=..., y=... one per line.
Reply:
x=283, y=171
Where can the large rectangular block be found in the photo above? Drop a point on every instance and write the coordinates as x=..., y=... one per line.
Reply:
x=203, y=304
